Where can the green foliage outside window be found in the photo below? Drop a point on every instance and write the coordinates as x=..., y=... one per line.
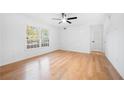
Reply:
x=37, y=37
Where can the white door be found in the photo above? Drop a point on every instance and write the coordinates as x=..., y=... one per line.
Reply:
x=96, y=42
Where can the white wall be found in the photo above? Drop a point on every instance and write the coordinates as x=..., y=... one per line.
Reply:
x=0, y=51
x=0, y=47
x=75, y=39
x=114, y=47
x=1, y=27
x=14, y=38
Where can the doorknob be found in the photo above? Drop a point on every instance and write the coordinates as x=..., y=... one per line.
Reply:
x=93, y=41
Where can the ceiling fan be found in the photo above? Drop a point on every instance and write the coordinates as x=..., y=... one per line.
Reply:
x=64, y=19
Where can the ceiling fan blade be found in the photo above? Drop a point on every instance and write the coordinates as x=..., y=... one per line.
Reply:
x=68, y=22
x=71, y=18
x=60, y=22
x=56, y=18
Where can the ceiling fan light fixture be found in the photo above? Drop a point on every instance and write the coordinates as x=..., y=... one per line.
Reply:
x=64, y=20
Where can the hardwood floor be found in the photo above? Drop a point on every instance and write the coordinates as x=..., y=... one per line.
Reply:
x=61, y=65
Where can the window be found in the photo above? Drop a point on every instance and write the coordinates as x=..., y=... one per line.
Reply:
x=37, y=37
x=44, y=38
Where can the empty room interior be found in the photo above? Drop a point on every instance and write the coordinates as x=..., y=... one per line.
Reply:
x=61, y=46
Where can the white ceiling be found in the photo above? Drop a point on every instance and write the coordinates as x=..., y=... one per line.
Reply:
x=82, y=18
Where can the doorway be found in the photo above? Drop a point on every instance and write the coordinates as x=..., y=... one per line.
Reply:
x=96, y=38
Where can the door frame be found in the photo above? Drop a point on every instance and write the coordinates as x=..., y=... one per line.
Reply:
x=102, y=38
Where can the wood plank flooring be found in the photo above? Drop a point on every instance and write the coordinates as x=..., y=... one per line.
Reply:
x=61, y=65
